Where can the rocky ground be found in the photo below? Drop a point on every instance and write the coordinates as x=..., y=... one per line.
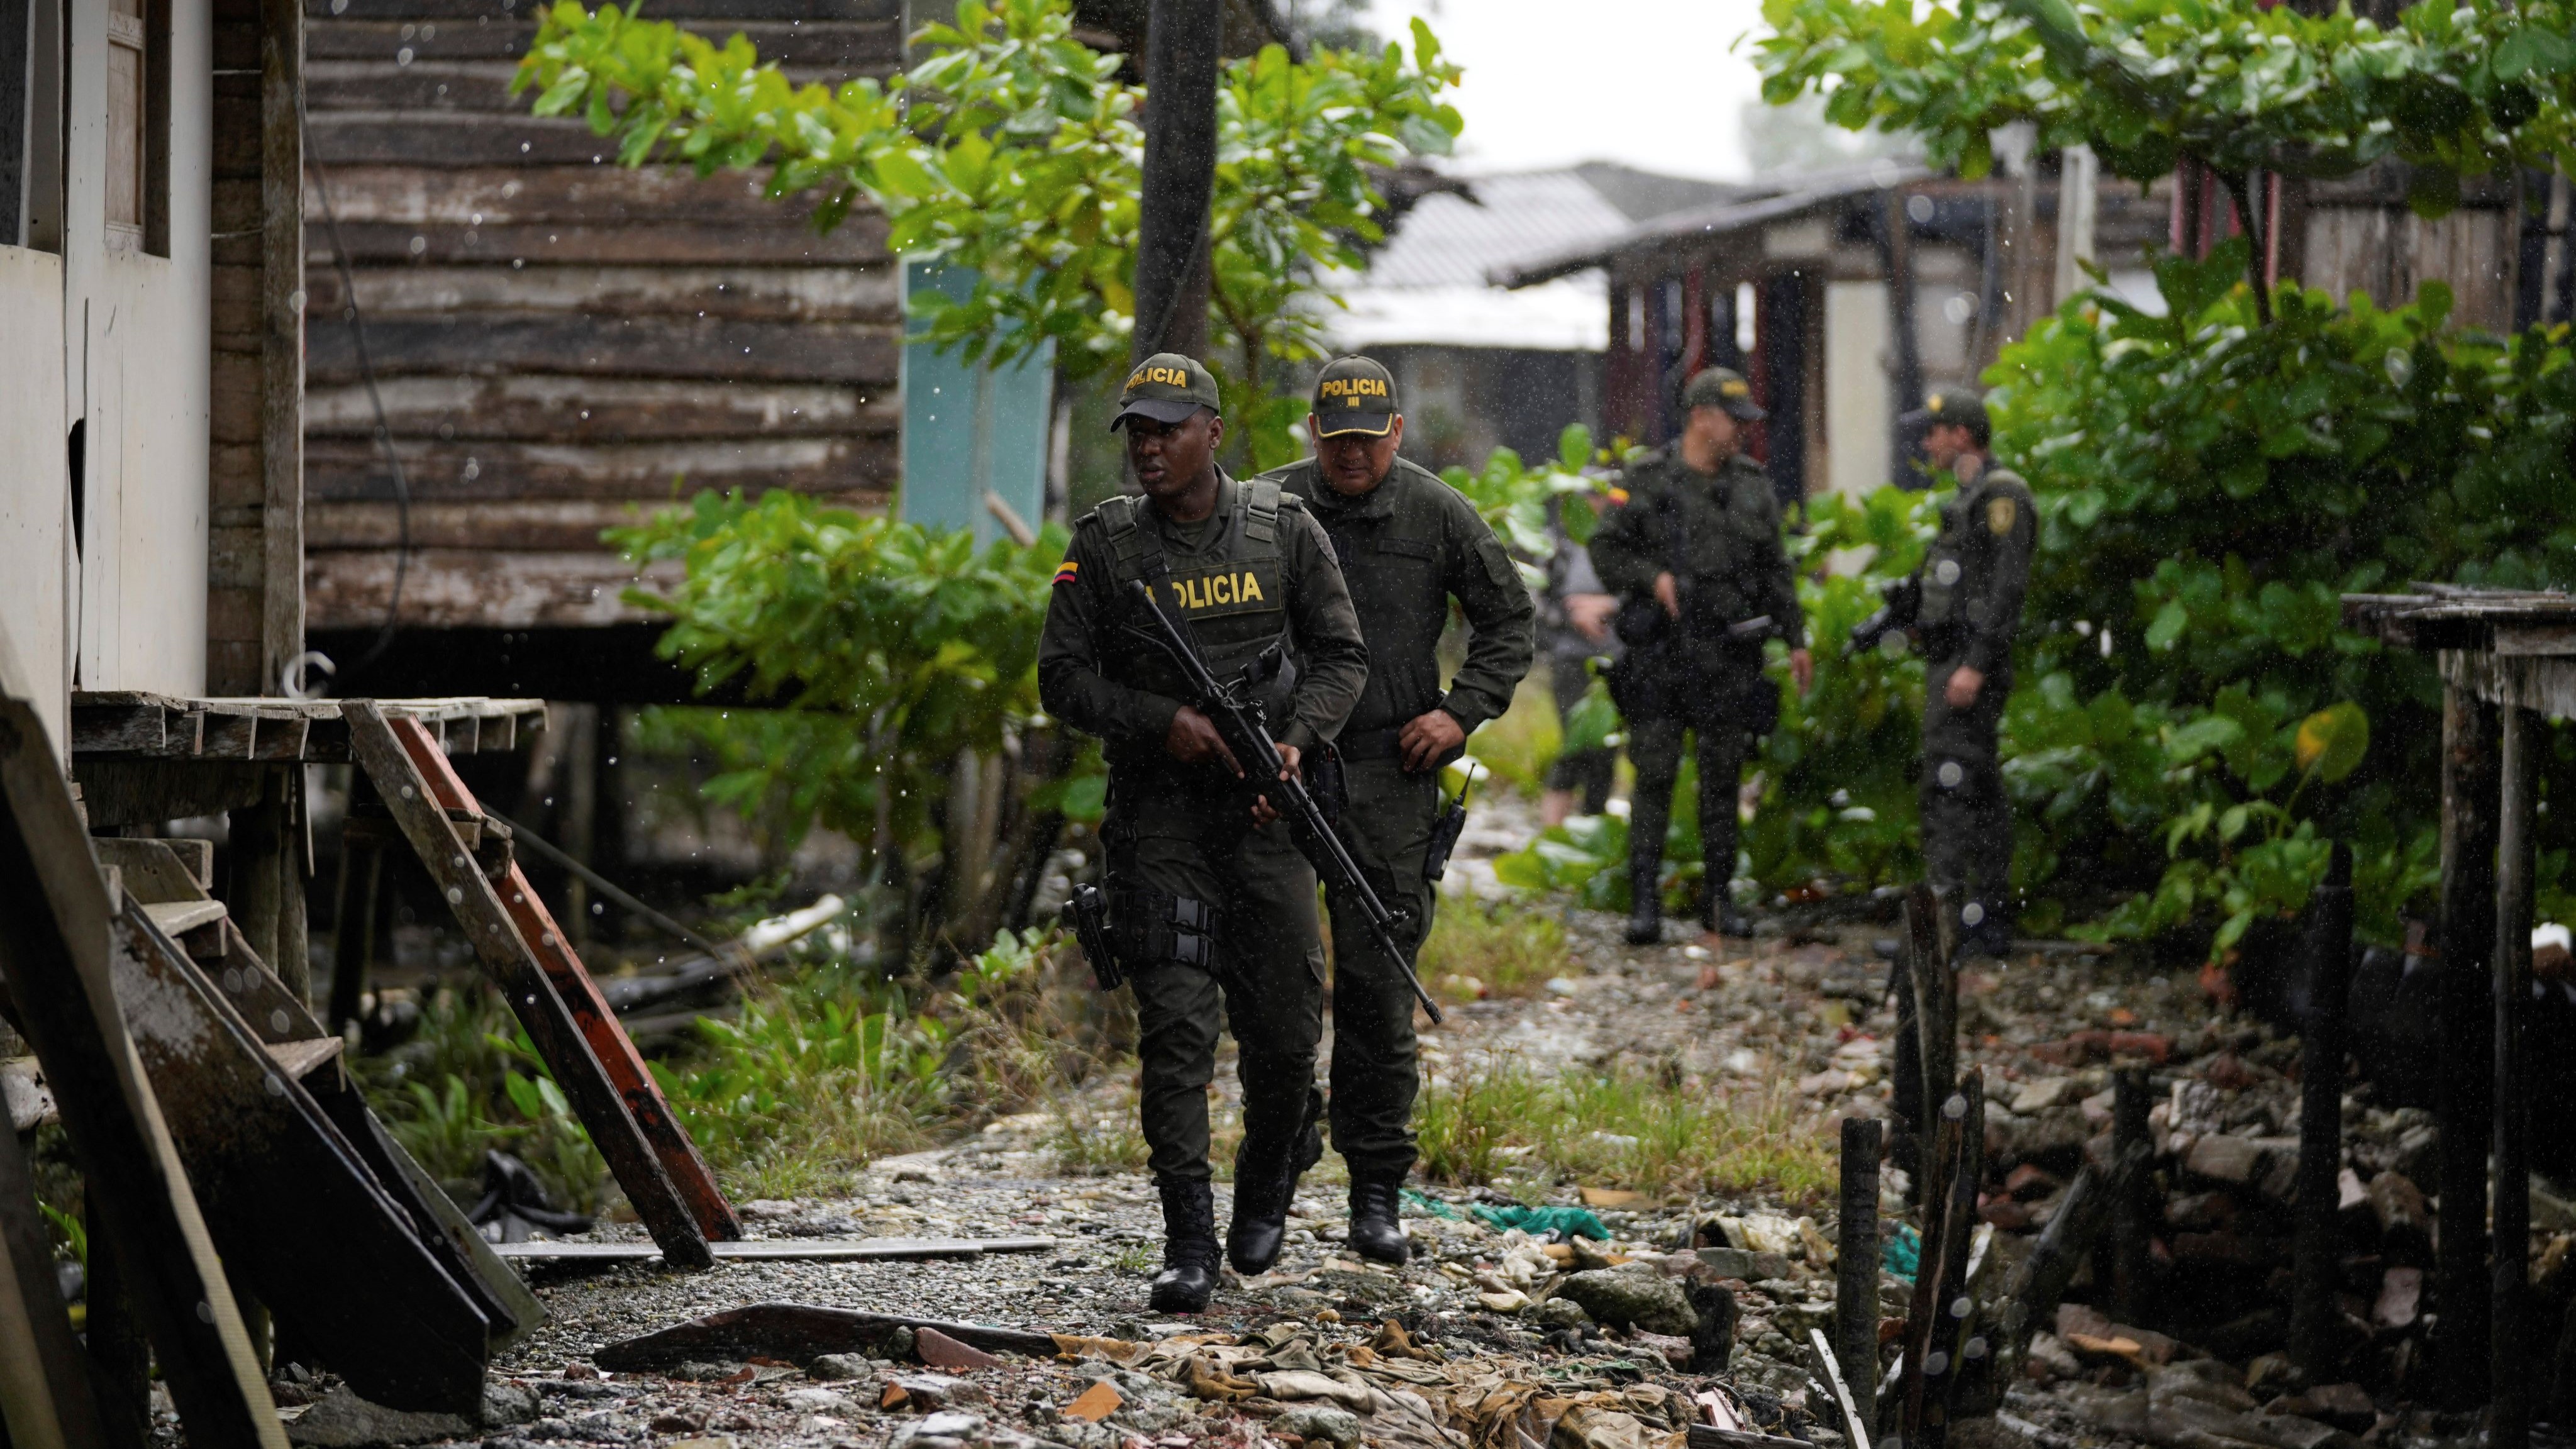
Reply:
x=1493, y=1338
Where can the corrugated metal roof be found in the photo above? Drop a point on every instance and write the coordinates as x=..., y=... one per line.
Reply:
x=1447, y=240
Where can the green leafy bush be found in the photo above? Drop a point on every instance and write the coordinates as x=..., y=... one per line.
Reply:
x=2209, y=486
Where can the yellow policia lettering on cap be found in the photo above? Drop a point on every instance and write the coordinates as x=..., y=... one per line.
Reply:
x=1168, y=376
x=1354, y=388
x=1732, y=388
x=1064, y=573
x=2000, y=513
x=1218, y=591
x=1932, y=404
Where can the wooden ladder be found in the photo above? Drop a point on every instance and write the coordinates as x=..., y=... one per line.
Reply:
x=604, y=1078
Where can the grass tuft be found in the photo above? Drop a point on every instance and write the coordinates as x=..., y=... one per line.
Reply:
x=1656, y=1132
x=1476, y=950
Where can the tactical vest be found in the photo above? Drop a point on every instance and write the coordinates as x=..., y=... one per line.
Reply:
x=1394, y=565
x=1963, y=555
x=1235, y=601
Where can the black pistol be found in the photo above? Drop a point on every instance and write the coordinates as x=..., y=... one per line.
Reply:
x=1446, y=830
x=1090, y=911
x=1901, y=601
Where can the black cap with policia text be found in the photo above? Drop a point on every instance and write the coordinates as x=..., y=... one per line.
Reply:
x=1354, y=395
x=1168, y=388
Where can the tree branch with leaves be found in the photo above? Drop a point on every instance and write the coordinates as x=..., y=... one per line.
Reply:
x=1012, y=150
x=2454, y=90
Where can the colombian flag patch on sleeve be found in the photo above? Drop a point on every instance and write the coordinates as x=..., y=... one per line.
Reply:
x=1065, y=571
x=1618, y=496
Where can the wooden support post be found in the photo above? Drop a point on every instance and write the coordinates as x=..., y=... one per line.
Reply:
x=264, y=876
x=120, y=1361
x=55, y=957
x=2316, y=1324
x=1936, y=1330
x=397, y=765
x=580, y=829
x=45, y=1400
x=1936, y=1013
x=353, y=945
x=1856, y=1267
x=2470, y=785
x=2129, y=1211
x=2509, y=1418
x=1922, y=1308
x=1913, y=1118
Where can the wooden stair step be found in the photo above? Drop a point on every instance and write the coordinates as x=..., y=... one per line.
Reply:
x=198, y=926
x=301, y=1059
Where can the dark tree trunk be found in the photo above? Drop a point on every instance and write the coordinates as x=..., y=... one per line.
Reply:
x=1182, y=52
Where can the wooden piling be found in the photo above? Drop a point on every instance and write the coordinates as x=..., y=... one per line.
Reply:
x=2316, y=1328
x=2509, y=1417
x=2131, y=1223
x=1913, y=1128
x=1856, y=1267
x=2470, y=792
x=1936, y=1014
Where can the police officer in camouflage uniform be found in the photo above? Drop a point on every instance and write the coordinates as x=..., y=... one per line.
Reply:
x=1408, y=543
x=1692, y=546
x=1972, y=581
x=1210, y=902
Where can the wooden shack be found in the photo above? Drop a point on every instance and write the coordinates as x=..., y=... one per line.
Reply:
x=557, y=342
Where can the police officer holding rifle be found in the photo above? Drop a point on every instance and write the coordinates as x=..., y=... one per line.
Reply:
x=1409, y=543
x=1210, y=901
x=1964, y=604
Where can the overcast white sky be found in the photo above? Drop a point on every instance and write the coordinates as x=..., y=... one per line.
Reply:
x=1653, y=83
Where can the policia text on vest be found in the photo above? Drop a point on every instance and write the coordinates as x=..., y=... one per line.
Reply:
x=1213, y=912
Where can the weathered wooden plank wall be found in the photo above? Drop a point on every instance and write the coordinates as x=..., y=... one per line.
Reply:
x=558, y=341
x=254, y=536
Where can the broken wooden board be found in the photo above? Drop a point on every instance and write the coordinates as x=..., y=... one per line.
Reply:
x=807, y=1250
x=297, y=1212
x=798, y=1332
x=138, y=725
x=511, y=962
x=57, y=954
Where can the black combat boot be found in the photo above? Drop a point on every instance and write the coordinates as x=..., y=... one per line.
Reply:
x=1265, y=1185
x=1645, y=907
x=1719, y=917
x=1189, y=1247
x=1376, y=1231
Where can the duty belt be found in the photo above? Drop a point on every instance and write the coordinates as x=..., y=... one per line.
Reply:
x=1371, y=744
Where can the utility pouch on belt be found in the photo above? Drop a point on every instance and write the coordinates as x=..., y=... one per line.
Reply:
x=1090, y=910
x=1327, y=781
x=1154, y=927
x=1445, y=832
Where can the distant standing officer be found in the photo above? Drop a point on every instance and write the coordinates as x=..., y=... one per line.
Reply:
x=1574, y=623
x=1206, y=905
x=1972, y=579
x=1408, y=543
x=1696, y=540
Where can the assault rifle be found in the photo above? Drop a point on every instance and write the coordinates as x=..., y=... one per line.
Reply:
x=1902, y=600
x=1238, y=722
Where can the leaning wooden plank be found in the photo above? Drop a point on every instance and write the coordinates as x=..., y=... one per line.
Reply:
x=558, y=1038
x=688, y=1171
x=56, y=954
x=45, y=1398
x=798, y=1332
x=298, y=1214
x=795, y=1250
